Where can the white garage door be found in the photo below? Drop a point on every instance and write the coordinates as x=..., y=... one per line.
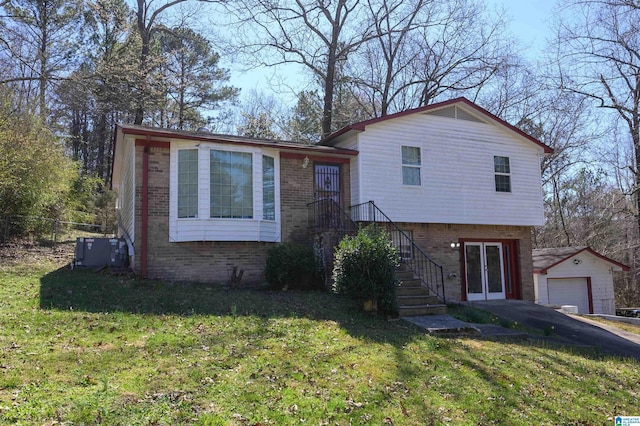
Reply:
x=569, y=291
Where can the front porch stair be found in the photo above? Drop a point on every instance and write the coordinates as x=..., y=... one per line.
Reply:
x=414, y=299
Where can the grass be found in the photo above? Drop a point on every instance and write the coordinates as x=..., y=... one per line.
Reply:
x=84, y=348
x=631, y=328
x=475, y=315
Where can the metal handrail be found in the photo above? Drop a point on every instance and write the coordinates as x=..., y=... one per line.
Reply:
x=426, y=269
x=326, y=214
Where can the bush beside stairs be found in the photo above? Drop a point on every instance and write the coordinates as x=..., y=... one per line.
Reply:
x=414, y=299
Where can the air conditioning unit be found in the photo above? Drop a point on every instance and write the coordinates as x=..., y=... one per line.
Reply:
x=99, y=252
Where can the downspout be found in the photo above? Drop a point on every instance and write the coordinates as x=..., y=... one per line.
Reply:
x=145, y=208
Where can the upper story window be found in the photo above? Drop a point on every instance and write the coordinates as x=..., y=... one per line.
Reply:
x=502, y=173
x=231, y=185
x=411, y=163
x=187, y=183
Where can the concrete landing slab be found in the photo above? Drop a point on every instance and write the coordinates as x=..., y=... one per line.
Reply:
x=442, y=324
x=447, y=325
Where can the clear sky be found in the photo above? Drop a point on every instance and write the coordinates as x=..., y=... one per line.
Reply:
x=530, y=23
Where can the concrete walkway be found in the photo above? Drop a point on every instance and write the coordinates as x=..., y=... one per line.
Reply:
x=566, y=329
x=446, y=325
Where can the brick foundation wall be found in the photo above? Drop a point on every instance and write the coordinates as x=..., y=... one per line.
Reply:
x=435, y=240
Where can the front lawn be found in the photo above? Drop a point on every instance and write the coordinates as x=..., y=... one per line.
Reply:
x=84, y=348
x=631, y=328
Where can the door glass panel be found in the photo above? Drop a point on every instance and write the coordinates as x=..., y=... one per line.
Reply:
x=494, y=268
x=474, y=269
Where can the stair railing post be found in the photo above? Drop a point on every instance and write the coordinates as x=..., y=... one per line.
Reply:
x=444, y=299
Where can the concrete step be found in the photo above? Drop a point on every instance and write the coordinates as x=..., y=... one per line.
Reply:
x=417, y=310
x=404, y=275
x=417, y=300
x=412, y=291
x=410, y=282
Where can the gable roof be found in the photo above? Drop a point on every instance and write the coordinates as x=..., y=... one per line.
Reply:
x=361, y=126
x=546, y=258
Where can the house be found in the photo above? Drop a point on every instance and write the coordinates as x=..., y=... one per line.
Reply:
x=577, y=276
x=460, y=188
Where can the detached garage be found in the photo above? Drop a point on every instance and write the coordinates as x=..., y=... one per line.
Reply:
x=576, y=276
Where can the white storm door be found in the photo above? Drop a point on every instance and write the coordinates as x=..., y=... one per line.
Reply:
x=494, y=271
x=484, y=270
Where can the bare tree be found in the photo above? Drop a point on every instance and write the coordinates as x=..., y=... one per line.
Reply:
x=316, y=34
x=386, y=58
x=599, y=58
x=598, y=52
x=426, y=48
x=147, y=16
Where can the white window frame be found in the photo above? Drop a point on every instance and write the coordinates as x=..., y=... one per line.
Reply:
x=250, y=157
x=409, y=166
x=206, y=228
x=178, y=183
x=502, y=173
x=267, y=189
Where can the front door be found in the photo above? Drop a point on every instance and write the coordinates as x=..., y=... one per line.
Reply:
x=484, y=271
x=327, y=182
x=327, y=196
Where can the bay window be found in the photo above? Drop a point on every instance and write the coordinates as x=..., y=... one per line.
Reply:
x=223, y=192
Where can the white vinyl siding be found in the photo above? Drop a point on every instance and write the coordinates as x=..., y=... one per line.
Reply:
x=126, y=194
x=460, y=185
x=231, y=174
x=352, y=143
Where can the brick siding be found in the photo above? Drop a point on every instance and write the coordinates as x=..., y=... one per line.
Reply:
x=214, y=262
x=435, y=240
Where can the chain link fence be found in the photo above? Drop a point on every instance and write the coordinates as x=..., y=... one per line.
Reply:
x=47, y=230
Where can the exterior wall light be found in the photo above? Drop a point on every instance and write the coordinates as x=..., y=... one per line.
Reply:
x=455, y=246
x=577, y=261
x=305, y=162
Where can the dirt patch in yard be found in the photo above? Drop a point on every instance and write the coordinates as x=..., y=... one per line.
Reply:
x=27, y=253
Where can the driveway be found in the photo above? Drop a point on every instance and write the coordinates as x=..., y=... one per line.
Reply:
x=573, y=330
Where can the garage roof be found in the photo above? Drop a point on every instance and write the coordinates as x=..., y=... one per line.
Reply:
x=546, y=258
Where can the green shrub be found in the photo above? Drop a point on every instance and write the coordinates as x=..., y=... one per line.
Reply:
x=364, y=268
x=292, y=266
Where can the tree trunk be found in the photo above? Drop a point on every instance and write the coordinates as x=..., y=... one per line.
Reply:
x=329, y=83
x=42, y=53
x=145, y=36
